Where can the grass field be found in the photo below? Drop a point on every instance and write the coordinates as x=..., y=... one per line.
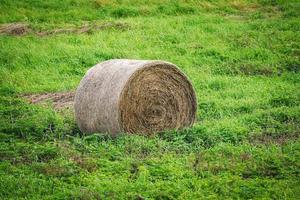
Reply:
x=241, y=56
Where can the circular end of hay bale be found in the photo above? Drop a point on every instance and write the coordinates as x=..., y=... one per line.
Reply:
x=157, y=97
x=134, y=96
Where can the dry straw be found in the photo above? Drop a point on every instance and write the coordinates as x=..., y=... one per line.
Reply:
x=134, y=96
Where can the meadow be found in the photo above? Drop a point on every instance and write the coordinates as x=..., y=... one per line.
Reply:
x=241, y=56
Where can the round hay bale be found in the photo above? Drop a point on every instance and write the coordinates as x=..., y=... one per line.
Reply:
x=134, y=96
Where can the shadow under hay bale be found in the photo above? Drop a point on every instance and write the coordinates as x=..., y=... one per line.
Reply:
x=134, y=96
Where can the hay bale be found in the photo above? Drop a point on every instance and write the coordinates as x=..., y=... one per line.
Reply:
x=134, y=96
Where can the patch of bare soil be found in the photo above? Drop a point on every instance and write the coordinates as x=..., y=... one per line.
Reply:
x=59, y=100
x=266, y=139
x=86, y=28
x=15, y=29
x=22, y=29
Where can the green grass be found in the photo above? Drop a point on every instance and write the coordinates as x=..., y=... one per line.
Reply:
x=242, y=58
